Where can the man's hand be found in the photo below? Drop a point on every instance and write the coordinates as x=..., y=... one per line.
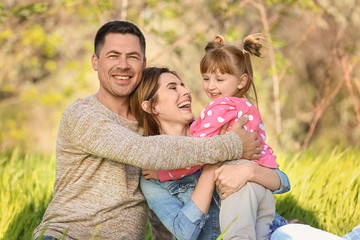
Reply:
x=251, y=143
x=231, y=178
x=150, y=174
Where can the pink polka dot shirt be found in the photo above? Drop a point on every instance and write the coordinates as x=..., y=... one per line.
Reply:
x=215, y=115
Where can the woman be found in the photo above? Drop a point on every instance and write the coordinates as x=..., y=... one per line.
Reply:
x=162, y=105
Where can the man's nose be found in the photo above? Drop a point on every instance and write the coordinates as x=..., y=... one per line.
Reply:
x=123, y=63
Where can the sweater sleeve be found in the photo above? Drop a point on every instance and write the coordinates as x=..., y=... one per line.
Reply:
x=92, y=130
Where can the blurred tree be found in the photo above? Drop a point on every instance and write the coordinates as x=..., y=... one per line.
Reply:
x=307, y=82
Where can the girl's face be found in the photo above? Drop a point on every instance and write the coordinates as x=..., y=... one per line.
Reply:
x=173, y=101
x=217, y=85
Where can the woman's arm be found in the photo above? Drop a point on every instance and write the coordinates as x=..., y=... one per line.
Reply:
x=183, y=219
x=204, y=188
x=230, y=178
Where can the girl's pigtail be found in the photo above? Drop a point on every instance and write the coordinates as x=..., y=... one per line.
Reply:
x=219, y=39
x=253, y=43
x=216, y=43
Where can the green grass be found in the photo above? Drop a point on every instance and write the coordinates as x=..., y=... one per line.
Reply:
x=26, y=183
x=325, y=190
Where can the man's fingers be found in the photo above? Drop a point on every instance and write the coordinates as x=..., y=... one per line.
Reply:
x=243, y=120
x=226, y=193
x=223, y=129
x=217, y=173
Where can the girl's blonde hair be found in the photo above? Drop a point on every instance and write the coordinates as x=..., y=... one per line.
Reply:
x=146, y=91
x=235, y=60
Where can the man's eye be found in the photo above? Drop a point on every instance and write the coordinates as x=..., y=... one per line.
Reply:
x=112, y=56
x=134, y=57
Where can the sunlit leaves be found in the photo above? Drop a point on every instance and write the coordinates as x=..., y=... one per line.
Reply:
x=152, y=3
x=35, y=36
x=26, y=11
x=6, y=34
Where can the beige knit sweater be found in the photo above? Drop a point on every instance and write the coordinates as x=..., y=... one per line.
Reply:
x=96, y=187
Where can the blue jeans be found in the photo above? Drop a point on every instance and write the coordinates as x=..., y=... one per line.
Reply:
x=171, y=202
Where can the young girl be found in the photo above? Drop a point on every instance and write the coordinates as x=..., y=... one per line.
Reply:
x=187, y=207
x=227, y=80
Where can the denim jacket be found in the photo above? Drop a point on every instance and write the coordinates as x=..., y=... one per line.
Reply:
x=171, y=201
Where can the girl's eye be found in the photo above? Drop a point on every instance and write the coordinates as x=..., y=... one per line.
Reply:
x=220, y=80
x=205, y=79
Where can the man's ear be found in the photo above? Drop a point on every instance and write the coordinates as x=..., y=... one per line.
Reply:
x=94, y=62
x=144, y=63
x=146, y=106
x=243, y=81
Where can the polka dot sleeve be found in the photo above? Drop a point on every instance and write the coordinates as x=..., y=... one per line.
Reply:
x=228, y=110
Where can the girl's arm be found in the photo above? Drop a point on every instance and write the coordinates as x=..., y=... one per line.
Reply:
x=231, y=178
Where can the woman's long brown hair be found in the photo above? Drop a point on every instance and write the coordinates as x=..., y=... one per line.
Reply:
x=146, y=91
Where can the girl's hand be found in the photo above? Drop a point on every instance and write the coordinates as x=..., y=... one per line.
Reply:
x=150, y=174
x=231, y=178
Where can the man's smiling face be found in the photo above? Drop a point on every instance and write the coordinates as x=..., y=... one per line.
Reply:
x=119, y=65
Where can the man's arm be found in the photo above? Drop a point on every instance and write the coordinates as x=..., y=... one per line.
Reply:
x=96, y=133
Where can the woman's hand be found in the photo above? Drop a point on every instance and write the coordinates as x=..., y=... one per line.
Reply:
x=231, y=178
x=150, y=174
x=211, y=167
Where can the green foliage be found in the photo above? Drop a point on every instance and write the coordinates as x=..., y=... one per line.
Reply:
x=325, y=188
x=28, y=10
x=271, y=3
x=233, y=34
x=46, y=48
x=27, y=183
x=152, y=3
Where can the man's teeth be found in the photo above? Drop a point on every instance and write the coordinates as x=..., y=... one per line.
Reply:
x=184, y=104
x=121, y=77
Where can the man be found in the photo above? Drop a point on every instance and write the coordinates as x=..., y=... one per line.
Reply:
x=99, y=151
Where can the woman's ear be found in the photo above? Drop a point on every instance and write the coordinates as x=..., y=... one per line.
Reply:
x=146, y=106
x=243, y=81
